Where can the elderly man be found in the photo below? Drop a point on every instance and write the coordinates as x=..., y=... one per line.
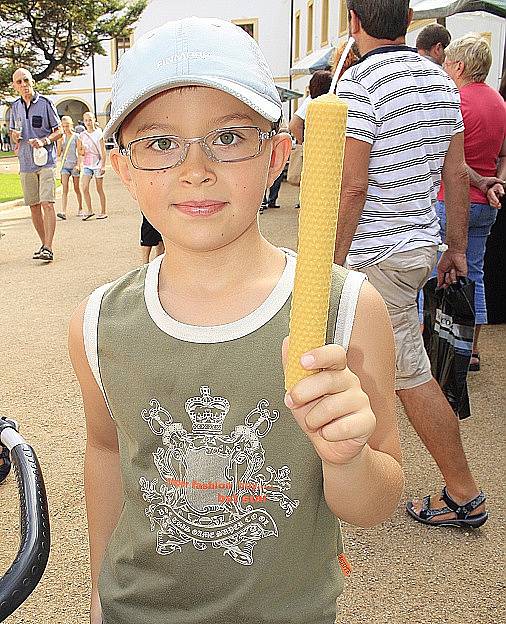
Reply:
x=404, y=131
x=35, y=128
x=432, y=41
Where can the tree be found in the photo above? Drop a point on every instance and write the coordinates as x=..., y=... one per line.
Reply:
x=56, y=38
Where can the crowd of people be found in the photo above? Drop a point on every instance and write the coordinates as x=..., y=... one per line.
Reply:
x=39, y=138
x=424, y=163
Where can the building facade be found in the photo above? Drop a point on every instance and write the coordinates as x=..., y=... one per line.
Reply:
x=293, y=34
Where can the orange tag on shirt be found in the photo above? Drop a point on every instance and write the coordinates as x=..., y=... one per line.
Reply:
x=345, y=564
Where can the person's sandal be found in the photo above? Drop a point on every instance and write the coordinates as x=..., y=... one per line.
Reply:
x=46, y=255
x=36, y=254
x=475, y=366
x=463, y=519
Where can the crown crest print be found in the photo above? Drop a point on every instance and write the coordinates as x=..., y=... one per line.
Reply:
x=213, y=487
x=206, y=412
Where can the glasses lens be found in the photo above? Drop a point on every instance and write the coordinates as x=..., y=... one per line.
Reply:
x=156, y=152
x=229, y=144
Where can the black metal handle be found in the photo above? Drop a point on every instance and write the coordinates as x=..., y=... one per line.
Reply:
x=27, y=568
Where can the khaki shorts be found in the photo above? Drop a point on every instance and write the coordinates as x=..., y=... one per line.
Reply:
x=398, y=279
x=38, y=187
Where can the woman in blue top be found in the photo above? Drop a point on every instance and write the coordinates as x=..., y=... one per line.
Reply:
x=70, y=165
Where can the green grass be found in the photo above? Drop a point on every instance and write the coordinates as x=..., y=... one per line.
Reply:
x=7, y=154
x=10, y=187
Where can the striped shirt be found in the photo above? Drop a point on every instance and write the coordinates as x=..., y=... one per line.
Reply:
x=408, y=109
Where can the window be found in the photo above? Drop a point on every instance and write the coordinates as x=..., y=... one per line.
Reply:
x=325, y=22
x=297, y=36
x=343, y=18
x=310, y=25
x=119, y=46
x=248, y=25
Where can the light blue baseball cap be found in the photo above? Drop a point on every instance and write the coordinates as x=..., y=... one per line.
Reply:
x=193, y=51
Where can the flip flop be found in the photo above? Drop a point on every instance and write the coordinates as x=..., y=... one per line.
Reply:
x=88, y=216
x=60, y=215
x=102, y=216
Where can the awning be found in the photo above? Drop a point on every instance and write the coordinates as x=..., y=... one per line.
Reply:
x=319, y=59
x=427, y=9
x=287, y=94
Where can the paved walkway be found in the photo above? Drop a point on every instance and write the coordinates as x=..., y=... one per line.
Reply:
x=403, y=572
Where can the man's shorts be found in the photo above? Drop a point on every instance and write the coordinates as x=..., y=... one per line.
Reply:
x=150, y=237
x=38, y=186
x=398, y=279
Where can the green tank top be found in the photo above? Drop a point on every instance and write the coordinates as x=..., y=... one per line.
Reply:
x=224, y=518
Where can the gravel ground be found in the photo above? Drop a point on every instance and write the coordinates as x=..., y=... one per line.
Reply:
x=402, y=571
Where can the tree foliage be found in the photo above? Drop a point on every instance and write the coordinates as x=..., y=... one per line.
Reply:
x=56, y=38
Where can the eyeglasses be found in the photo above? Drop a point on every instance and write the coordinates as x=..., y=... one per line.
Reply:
x=223, y=145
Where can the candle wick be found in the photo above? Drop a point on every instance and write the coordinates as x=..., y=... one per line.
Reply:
x=339, y=67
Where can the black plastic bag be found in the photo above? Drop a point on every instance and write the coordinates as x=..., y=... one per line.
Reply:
x=448, y=316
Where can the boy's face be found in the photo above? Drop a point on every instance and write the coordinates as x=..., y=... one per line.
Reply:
x=200, y=205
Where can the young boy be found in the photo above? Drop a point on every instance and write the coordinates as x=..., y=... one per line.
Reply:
x=212, y=496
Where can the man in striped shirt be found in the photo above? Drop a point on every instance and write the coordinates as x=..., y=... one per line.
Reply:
x=405, y=133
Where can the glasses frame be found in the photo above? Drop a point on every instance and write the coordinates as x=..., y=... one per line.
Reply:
x=187, y=142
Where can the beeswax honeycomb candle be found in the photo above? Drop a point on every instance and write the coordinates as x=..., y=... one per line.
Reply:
x=322, y=169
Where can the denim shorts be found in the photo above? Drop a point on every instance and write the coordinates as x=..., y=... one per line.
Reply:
x=87, y=171
x=481, y=219
x=71, y=171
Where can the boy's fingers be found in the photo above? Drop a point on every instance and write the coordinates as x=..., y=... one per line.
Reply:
x=330, y=408
x=331, y=356
x=323, y=383
x=349, y=427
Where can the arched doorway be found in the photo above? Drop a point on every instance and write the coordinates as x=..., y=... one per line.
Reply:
x=73, y=108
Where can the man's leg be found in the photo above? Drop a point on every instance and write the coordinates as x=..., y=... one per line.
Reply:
x=398, y=279
x=438, y=428
x=274, y=191
x=49, y=224
x=38, y=221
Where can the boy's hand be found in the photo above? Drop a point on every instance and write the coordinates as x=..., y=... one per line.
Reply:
x=330, y=406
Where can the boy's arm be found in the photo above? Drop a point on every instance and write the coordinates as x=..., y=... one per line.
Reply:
x=104, y=496
x=348, y=412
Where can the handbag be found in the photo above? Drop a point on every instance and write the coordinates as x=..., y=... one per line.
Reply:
x=294, y=172
x=448, y=334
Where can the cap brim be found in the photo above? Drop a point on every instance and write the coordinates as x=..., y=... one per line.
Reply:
x=264, y=106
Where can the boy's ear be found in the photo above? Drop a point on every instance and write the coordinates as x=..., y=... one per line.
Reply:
x=281, y=149
x=120, y=165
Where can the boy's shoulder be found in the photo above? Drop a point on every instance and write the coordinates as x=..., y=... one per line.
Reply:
x=129, y=285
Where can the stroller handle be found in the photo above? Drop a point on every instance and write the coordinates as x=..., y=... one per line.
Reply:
x=27, y=568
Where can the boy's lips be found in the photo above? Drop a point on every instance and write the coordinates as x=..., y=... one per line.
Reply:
x=204, y=208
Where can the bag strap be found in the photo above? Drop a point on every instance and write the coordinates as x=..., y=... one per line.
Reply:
x=66, y=150
x=95, y=144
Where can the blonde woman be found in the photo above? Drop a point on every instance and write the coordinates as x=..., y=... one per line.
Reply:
x=70, y=166
x=468, y=61
x=91, y=147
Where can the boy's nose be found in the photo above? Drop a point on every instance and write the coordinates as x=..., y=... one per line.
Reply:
x=196, y=169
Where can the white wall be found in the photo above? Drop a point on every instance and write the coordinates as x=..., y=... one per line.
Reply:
x=273, y=37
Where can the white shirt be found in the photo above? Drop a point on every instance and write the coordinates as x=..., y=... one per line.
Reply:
x=408, y=109
x=302, y=110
